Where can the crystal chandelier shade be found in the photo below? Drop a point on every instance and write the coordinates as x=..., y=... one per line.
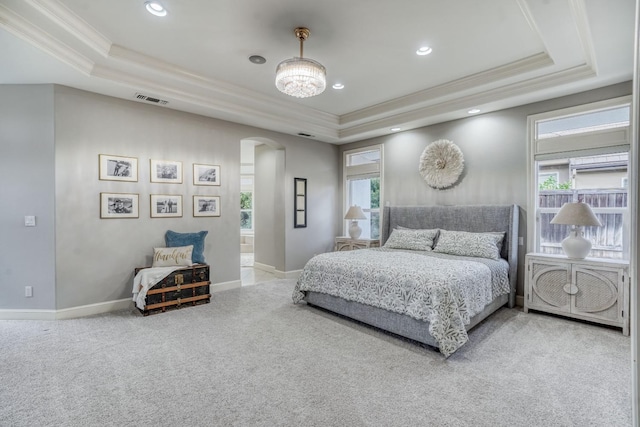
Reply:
x=301, y=77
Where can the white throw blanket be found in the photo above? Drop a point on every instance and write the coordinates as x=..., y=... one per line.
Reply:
x=146, y=279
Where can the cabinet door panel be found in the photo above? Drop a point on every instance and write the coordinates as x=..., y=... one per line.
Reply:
x=597, y=292
x=548, y=283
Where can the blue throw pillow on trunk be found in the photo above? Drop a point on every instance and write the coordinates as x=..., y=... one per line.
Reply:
x=174, y=239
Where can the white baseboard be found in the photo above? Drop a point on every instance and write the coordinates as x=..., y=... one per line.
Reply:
x=264, y=267
x=66, y=313
x=293, y=274
x=225, y=286
x=17, y=314
x=91, y=309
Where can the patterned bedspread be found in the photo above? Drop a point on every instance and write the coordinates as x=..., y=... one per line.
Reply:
x=444, y=290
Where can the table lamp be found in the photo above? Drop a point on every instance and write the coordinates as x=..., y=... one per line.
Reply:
x=354, y=214
x=577, y=215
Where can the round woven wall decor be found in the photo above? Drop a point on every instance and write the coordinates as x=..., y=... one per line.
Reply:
x=441, y=163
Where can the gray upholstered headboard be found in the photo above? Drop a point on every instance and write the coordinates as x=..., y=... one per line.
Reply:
x=474, y=218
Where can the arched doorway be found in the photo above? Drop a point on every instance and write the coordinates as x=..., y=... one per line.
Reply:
x=262, y=234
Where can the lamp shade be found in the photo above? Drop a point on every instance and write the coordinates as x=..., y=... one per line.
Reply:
x=355, y=212
x=578, y=213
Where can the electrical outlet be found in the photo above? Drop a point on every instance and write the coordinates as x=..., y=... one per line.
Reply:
x=521, y=241
x=28, y=291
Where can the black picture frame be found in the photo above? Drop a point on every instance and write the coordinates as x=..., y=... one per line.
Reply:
x=300, y=203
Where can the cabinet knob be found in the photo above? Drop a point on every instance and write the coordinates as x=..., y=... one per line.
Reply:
x=570, y=288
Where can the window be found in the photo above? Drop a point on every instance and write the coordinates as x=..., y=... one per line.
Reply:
x=581, y=155
x=246, y=203
x=362, y=173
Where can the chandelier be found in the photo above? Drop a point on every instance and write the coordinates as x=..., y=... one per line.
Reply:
x=301, y=77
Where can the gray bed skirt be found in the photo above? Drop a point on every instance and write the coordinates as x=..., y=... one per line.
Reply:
x=400, y=324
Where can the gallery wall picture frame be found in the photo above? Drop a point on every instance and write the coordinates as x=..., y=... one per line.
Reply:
x=206, y=206
x=166, y=171
x=206, y=174
x=117, y=168
x=300, y=203
x=118, y=205
x=166, y=205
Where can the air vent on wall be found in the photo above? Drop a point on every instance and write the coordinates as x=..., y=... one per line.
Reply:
x=151, y=99
x=306, y=135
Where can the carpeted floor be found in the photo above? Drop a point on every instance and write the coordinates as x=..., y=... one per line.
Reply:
x=252, y=358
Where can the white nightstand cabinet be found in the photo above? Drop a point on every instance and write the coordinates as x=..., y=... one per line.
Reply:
x=349, y=244
x=592, y=289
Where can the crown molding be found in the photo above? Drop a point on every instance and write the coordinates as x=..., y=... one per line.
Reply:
x=73, y=24
x=419, y=116
x=44, y=41
x=272, y=118
x=227, y=101
x=579, y=13
x=217, y=87
x=491, y=76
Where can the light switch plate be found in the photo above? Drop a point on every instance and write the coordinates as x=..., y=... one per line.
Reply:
x=29, y=221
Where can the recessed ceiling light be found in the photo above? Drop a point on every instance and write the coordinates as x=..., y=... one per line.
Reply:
x=338, y=86
x=473, y=111
x=424, y=50
x=257, y=59
x=395, y=129
x=154, y=7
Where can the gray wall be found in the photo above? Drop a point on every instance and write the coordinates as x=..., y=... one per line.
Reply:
x=27, y=256
x=494, y=146
x=91, y=260
x=269, y=223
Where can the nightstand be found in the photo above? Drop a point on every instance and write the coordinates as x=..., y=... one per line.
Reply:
x=349, y=244
x=593, y=289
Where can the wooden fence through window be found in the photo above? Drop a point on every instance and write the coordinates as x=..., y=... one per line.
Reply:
x=610, y=206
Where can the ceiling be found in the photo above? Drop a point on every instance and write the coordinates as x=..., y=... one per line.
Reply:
x=486, y=54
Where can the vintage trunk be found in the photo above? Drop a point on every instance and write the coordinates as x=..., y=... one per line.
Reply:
x=187, y=286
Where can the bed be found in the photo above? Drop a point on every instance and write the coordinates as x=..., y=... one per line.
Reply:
x=430, y=296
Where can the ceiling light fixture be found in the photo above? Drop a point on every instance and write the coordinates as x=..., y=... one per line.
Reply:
x=338, y=86
x=395, y=129
x=155, y=8
x=473, y=111
x=301, y=77
x=424, y=50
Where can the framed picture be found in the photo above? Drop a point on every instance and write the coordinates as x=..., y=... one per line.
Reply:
x=118, y=168
x=118, y=205
x=206, y=205
x=166, y=206
x=206, y=174
x=166, y=171
x=300, y=203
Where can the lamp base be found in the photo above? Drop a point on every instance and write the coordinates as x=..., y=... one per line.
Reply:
x=354, y=230
x=575, y=246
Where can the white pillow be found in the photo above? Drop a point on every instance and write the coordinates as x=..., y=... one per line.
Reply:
x=168, y=257
x=415, y=240
x=464, y=243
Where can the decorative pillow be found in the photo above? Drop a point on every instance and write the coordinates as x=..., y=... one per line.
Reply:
x=168, y=257
x=464, y=243
x=173, y=239
x=415, y=240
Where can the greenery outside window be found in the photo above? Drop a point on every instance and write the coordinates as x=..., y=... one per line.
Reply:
x=246, y=203
x=581, y=154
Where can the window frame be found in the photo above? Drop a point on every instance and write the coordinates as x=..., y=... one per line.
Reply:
x=595, y=142
x=362, y=171
x=244, y=189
